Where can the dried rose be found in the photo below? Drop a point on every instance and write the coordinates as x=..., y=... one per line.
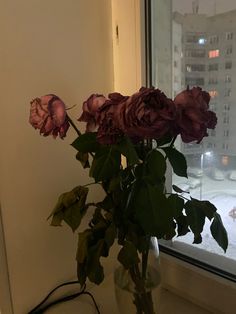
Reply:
x=90, y=111
x=146, y=114
x=109, y=130
x=48, y=114
x=193, y=117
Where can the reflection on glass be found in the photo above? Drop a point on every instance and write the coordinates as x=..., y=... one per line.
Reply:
x=202, y=41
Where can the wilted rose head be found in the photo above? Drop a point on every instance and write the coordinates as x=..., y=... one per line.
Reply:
x=193, y=116
x=48, y=114
x=146, y=114
x=90, y=111
x=109, y=129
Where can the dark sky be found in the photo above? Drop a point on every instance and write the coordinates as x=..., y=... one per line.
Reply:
x=205, y=6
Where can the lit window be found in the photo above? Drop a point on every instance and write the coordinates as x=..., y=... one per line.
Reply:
x=227, y=79
x=201, y=41
x=213, y=93
x=214, y=53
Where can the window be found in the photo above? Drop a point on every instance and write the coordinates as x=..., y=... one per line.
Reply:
x=175, y=64
x=228, y=92
x=229, y=35
x=228, y=64
x=194, y=81
x=215, y=186
x=229, y=50
x=210, y=64
x=213, y=53
x=195, y=67
x=213, y=67
x=195, y=53
x=176, y=49
x=212, y=80
x=213, y=93
x=214, y=39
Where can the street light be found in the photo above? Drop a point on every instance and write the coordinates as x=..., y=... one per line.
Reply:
x=206, y=154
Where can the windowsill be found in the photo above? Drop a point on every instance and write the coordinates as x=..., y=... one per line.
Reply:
x=105, y=297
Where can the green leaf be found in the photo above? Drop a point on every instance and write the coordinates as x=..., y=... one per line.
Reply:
x=151, y=209
x=86, y=142
x=82, y=250
x=207, y=207
x=218, y=232
x=178, y=190
x=95, y=269
x=195, y=218
x=106, y=164
x=128, y=255
x=126, y=148
x=182, y=225
x=177, y=205
x=70, y=208
x=164, y=140
x=177, y=161
x=110, y=235
x=156, y=164
x=83, y=158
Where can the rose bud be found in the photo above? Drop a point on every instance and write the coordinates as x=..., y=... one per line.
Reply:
x=48, y=114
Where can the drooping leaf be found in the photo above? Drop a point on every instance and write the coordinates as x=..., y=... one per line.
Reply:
x=195, y=218
x=177, y=161
x=182, y=225
x=178, y=190
x=207, y=207
x=70, y=208
x=86, y=142
x=95, y=269
x=128, y=255
x=156, y=164
x=218, y=232
x=110, y=235
x=126, y=148
x=106, y=164
x=82, y=250
x=83, y=158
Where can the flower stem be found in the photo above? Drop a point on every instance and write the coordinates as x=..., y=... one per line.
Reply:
x=73, y=125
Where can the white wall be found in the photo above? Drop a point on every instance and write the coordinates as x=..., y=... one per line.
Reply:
x=63, y=47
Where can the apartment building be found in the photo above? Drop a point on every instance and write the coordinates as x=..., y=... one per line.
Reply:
x=208, y=59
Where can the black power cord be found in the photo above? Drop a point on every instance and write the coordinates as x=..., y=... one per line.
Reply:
x=39, y=309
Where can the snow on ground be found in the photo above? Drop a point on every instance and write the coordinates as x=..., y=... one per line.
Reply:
x=223, y=195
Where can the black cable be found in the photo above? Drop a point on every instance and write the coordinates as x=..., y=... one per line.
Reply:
x=39, y=309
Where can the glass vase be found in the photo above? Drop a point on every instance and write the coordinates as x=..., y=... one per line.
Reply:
x=136, y=289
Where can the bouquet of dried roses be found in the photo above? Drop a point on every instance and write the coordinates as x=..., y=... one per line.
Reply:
x=136, y=205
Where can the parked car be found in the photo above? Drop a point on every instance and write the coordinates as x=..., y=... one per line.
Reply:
x=217, y=174
x=232, y=175
x=194, y=183
x=194, y=172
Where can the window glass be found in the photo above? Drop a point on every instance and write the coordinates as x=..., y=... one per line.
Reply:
x=193, y=45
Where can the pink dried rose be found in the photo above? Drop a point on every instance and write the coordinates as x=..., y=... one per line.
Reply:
x=90, y=111
x=48, y=114
x=193, y=114
x=146, y=114
x=109, y=129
